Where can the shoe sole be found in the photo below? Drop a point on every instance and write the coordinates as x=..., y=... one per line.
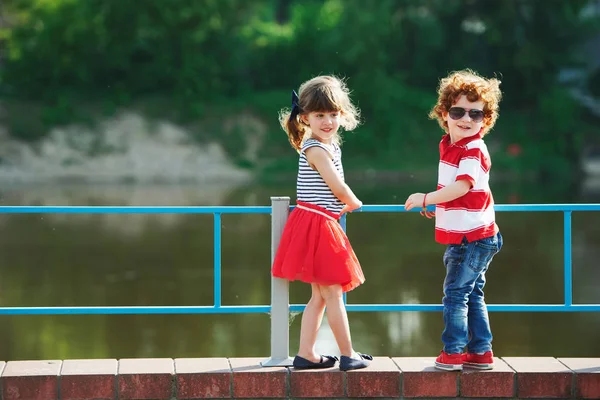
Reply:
x=315, y=366
x=345, y=368
x=449, y=367
x=479, y=366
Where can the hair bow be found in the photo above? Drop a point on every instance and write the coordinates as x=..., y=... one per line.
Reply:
x=295, y=106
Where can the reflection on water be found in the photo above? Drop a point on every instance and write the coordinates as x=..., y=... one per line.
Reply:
x=81, y=260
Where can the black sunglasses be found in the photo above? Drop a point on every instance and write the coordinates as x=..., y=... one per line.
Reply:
x=457, y=113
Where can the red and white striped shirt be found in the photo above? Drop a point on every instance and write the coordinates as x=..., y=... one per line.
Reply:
x=472, y=215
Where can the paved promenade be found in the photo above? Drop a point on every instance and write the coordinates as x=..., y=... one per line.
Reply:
x=244, y=378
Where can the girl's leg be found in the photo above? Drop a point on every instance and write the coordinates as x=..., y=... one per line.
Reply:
x=311, y=321
x=337, y=317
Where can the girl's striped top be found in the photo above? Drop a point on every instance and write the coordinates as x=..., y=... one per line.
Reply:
x=310, y=186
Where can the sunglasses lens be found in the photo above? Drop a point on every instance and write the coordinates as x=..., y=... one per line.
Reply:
x=456, y=112
x=476, y=115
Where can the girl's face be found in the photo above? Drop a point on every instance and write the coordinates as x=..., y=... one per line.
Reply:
x=324, y=125
x=467, y=124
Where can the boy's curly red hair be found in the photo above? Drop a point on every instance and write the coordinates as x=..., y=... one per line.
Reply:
x=467, y=82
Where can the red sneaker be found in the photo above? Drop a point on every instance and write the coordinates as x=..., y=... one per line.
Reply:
x=449, y=362
x=479, y=361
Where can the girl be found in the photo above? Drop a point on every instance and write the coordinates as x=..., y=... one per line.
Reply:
x=313, y=246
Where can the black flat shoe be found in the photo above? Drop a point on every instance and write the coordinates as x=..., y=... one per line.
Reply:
x=348, y=363
x=303, y=363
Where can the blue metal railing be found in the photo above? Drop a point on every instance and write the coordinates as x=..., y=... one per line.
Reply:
x=218, y=307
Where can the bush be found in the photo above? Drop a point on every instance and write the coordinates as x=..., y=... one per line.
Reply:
x=78, y=59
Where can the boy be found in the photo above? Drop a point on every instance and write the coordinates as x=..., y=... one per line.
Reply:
x=467, y=109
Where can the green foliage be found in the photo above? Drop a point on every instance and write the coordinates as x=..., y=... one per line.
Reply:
x=204, y=60
x=594, y=83
x=126, y=48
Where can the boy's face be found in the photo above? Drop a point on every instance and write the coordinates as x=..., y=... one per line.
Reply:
x=468, y=124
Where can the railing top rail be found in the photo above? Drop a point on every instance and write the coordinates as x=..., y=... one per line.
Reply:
x=257, y=209
x=498, y=207
x=135, y=209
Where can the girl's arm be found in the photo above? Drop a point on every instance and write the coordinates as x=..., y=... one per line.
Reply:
x=321, y=161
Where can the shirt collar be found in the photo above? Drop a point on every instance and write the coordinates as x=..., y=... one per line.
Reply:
x=463, y=141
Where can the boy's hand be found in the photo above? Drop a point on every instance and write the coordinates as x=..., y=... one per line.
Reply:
x=414, y=200
x=428, y=214
x=351, y=207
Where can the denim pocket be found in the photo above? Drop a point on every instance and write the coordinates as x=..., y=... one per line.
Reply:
x=482, y=252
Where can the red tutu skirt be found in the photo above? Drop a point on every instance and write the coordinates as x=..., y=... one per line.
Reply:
x=315, y=249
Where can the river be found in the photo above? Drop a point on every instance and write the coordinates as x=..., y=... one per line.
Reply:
x=110, y=260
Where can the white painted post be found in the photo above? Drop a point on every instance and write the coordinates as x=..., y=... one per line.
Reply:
x=280, y=295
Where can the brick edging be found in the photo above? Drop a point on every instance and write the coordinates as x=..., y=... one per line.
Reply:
x=203, y=378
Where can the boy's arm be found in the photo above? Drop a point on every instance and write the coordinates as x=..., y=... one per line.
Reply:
x=447, y=193
x=472, y=162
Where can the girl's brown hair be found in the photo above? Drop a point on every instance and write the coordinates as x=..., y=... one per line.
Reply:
x=320, y=94
x=474, y=87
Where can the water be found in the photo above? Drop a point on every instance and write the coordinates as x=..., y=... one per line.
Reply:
x=147, y=260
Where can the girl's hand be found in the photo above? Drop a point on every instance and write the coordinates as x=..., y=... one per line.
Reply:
x=351, y=207
x=414, y=200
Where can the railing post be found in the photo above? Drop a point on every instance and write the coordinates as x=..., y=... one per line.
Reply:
x=568, y=259
x=280, y=296
x=217, y=259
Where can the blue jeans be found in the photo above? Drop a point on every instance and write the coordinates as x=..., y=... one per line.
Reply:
x=465, y=313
